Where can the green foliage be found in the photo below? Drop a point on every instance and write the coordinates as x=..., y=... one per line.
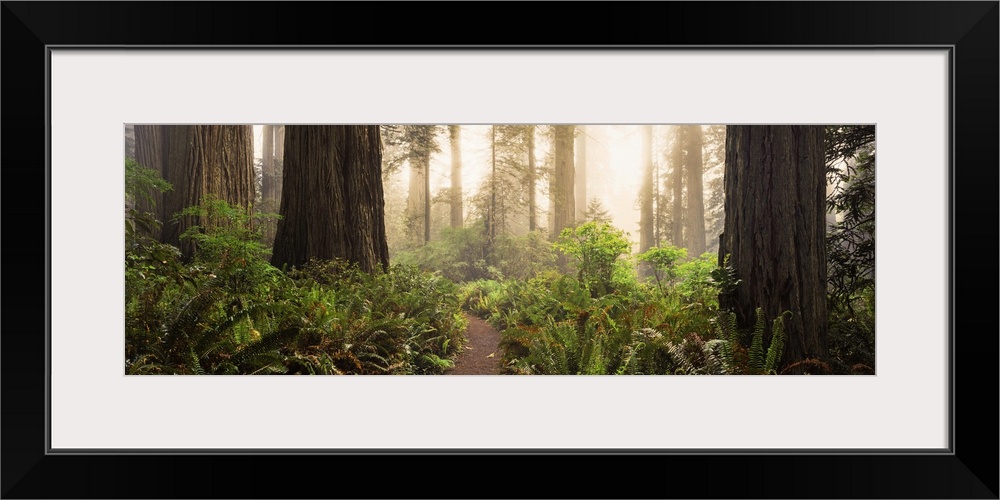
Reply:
x=851, y=241
x=554, y=324
x=777, y=347
x=597, y=250
x=228, y=311
x=142, y=185
x=459, y=254
x=850, y=160
x=407, y=142
x=852, y=336
x=697, y=280
x=733, y=354
x=142, y=188
x=757, y=344
x=524, y=256
x=724, y=277
x=596, y=212
x=663, y=260
x=755, y=360
x=695, y=356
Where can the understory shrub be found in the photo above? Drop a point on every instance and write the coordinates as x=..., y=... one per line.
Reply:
x=228, y=311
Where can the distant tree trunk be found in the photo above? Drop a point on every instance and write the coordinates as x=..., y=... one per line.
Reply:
x=646, y=191
x=677, y=183
x=532, y=181
x=580, y=174
x=272, y=149
x=334, y=206
x=427, y=199
x=657, y=204
x=206, y=160
x=416, y=201
x=267, y=164
x=565, y=207
x=279, y=153
x=551, y=218
x=129, y=140
x=151, y=152
x=775, y=209
x=272, y=142
x=456, y=175
x=695, y=202
x=492, y=218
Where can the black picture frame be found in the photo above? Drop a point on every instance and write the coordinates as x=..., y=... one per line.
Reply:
x=970, y=470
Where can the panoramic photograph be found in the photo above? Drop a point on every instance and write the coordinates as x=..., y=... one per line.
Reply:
x=507, y=249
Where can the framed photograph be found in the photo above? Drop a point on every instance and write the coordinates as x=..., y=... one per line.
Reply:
x=924, y=74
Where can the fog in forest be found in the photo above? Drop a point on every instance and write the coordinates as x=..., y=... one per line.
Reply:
x=515, y=249
x=614, y=163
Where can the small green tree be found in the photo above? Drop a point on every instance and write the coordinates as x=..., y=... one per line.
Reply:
x=596, y=212
x=596, y=249
x=143, y=186
x=663, y=262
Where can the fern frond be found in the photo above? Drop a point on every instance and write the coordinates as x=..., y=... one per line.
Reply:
x=726, y=324
x=680, y=358
x=775, y=350
x=267, y=342
x=757, y=344
x=196, y=364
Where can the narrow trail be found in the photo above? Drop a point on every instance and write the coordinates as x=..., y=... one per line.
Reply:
x=481, y=356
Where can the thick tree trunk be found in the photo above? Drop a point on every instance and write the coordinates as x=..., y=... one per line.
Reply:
x=677, y=185
x=151, y=152
x=532, y=181
x=580, y=174
x=455, y=132
x=206, y=160
x=775, y=231
x=646, y=191
x=565, y=206
x=695, y=203
x=334, y=206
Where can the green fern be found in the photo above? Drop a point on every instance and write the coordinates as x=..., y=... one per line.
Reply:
x=756, y=353
x=268, y=342
x=196, y=363
x=680, y=358
x=775, y=350
x=726, y=324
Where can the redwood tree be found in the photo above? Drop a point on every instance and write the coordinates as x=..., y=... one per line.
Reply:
x=205, y=160
x=563, y=185
x=580, y=174
x=332, y=204
x=646, y=191
x=272, y=141
x=775, y=225
x=151, y=152
x=455, y=138
x=532, y=177
x=693, y=165
x=420, y=142
x=677, y=188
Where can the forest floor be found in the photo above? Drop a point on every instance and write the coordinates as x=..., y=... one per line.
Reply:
x=481, y=355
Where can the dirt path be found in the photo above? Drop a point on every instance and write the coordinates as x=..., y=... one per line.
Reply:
x=481, y=356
